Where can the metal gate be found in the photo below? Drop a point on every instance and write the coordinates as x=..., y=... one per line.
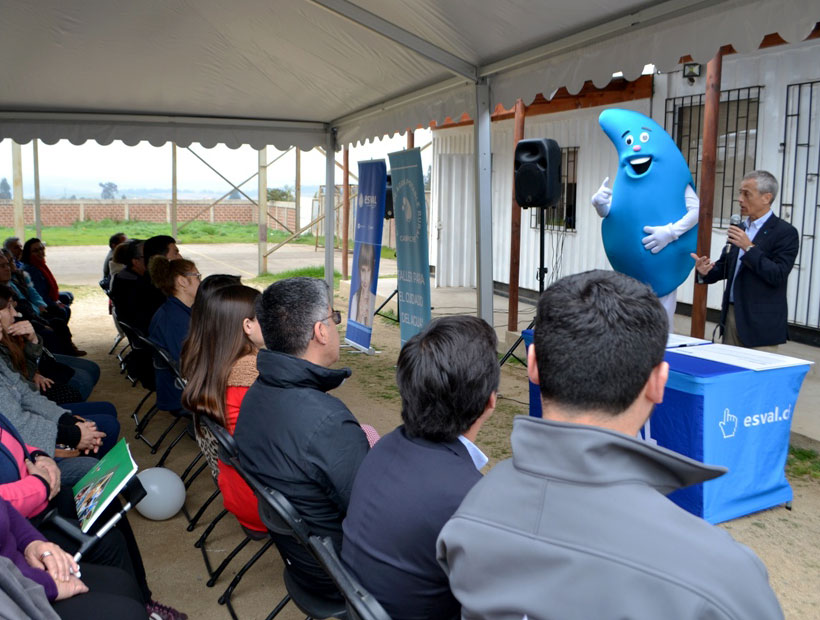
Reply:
x=799, y=199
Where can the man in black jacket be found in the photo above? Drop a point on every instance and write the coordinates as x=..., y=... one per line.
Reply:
x=292, y=434
x=756, y=268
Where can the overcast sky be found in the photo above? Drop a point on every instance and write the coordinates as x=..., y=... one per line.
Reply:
x=66, y=169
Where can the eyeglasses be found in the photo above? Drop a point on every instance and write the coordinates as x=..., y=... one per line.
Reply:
x=336, y=315
x=194, y=274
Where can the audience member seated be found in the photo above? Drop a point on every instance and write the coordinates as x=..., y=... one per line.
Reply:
x=33, y=483
x=414, y=478
x=118, y=262
x=219, y=361
x=291, y=434
x=103, y=591
x=54, y=330
x=91, y=428
x=15, y=248
x=161, y=245
x=135, y=298
x=113, y=241
x=576, y=524
x=34, y=263
x=178, y=279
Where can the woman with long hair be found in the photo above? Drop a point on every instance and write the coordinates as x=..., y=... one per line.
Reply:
x=219, y=361
x=178, y=280
x=34, y=262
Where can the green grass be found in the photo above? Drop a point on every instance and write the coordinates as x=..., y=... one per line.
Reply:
x=97, y=233
x=310, y=272
x=803, y=463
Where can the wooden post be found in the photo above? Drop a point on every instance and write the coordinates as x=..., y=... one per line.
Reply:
x=706, y=190
x=17, y=183
x=345, y=209
x=173, y=214
x=411, y=139
x=515, y=228
x=298, y=189
x=262, y=204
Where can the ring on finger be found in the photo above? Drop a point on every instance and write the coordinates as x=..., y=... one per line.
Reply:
x=44, y=555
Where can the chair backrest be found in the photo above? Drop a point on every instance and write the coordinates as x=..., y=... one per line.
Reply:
x=139, y=362
x=276, y=512
x=163, y=360
x=361, y=605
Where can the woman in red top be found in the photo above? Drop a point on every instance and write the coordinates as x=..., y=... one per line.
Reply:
x=219, y=360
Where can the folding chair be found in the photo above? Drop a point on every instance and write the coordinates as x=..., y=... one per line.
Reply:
x=138, y=368
x=360, y=603
x=227, y=453
x=284, y=522
x=119, y=338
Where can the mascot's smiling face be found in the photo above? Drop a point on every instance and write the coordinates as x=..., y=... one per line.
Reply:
x=641, y=143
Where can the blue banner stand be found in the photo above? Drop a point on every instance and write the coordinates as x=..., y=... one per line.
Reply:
x=535, y=390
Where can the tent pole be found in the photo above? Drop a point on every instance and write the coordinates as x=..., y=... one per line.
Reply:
x=483, y=203
x=411, y=139
x=330, y=213
x=345, y=212
x=173, y=190
x=262, y=204
x=706, y=189
x=38, y=224
x=17, y=183
x=298, y=189
x=515, y=229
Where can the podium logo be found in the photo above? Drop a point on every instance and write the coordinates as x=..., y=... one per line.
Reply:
x=728, y=426
x=768, y=417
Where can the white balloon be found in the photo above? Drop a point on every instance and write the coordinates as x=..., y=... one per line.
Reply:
x=165, y=493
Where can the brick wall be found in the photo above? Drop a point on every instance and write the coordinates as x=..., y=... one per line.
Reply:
x=66, y=212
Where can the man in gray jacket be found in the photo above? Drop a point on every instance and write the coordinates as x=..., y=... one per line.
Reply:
x=576, y=524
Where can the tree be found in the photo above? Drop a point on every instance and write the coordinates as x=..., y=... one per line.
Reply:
x=235, y=195
x=5, y=190
x=109, y=191
x=284, y=194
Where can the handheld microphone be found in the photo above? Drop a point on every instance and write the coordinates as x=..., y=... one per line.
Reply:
x=735, y=220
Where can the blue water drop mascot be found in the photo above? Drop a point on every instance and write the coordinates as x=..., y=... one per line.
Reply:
x=650, y=214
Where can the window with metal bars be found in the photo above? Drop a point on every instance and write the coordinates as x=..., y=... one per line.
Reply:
x=737, y=141
x=562, y=217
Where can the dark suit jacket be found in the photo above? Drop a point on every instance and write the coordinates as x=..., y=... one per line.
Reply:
x=404, y=493
x=760, y=291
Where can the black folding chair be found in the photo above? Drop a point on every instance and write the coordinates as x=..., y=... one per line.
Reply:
x=227, y=453
x=360, y=603
x=284, y=521
x=138, y=368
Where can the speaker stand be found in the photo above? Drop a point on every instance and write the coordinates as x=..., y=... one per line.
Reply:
x=387, y=316
x=542, y=275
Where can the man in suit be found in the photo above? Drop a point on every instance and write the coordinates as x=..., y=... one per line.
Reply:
x=413, y=480
x=756, y=268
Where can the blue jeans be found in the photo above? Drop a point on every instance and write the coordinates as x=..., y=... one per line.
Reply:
x=74, y=468
x=104, y=415
x=86, y=373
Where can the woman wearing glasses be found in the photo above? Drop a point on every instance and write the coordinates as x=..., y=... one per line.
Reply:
x=179, y=280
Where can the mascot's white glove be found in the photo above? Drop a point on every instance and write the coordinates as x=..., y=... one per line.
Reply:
x=602, y=199
x=659, y=237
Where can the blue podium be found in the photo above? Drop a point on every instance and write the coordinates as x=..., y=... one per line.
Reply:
x=723, y=414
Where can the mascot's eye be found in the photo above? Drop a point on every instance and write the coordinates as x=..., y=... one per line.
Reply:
x=629, y=140
x=644, y=137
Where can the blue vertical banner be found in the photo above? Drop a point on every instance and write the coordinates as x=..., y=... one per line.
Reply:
x=366, y=252
x=407, y=179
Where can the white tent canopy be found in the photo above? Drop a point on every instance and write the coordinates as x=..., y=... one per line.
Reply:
x=330, y=72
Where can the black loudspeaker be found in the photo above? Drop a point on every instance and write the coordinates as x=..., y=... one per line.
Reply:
x=537, y=173
x=388, y=200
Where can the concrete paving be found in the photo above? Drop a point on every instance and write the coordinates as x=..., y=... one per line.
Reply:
x=83, y=265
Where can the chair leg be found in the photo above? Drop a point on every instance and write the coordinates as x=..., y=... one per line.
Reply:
x=193, y=520
x=201, y=541
x=184, y=476
x=279, y=607
x=225, y=599
x=177, y=439
x=164, y=434
x=210, y=583
x=117, y=341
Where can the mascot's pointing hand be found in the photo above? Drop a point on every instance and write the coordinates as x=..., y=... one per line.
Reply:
x=602, y=199
x=659, y=237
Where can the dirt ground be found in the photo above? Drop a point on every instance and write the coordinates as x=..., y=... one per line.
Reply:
x=788, y=541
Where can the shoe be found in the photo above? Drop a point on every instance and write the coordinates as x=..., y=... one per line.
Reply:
x=77, y=352
x=158, y=611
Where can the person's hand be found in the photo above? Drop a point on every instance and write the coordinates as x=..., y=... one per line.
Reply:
x=658, y=237
x=42, y=383
x=736, y=236
x=47, y=469
x=602, y=199
x=702, y=263
x=67, y=589
x=90, y=437
x=43, y=309
x=49, y=557
x=24, y=329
